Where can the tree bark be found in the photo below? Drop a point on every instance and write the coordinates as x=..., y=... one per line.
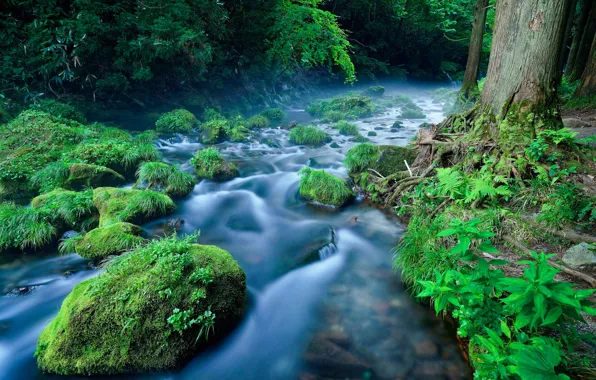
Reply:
x=520, y=93
x=588, y=83
x=470, y=83
x=567, y=37
x=586, y=6
x=583, y=50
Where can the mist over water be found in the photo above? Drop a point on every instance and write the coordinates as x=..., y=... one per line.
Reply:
x=325, y=301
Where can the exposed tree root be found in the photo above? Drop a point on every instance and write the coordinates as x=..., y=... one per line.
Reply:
x=589, y=279
x=576, y=237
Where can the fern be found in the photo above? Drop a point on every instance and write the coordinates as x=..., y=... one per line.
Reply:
x=485, y=187
x=451, y=183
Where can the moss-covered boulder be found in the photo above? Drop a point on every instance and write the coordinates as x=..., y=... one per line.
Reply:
x=324, y=188
x=376, y=91
x=257, y=122
x=133, y=206
x=68, y=208
x=89, y=175
x=151, y=310
x=177, y=121
x=351, y=106
x=163, y=177
x=347, y=129
x=209, y=164
x=385, y=159
x=60, y=109
x=102, y=242
x=308, y=135
x=274, y=115
x=214, y=131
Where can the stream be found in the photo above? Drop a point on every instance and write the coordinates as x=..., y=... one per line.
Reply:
x=325, y=301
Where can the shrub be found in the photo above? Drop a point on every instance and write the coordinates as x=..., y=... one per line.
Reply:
x=321, y=187
x=133, y=206
x=335, y=116
x=209, y=164
x=239, y=133
x=347, y=129
x=177, y=121
x=361, y=157
x=308, y=135
x=152, y=309
x=274, y=114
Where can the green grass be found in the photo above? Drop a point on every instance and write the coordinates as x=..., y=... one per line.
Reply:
x=149, y=311
x=25, y=228
x=347, y=129
x=160, y=176
x=308, y=135
x=275, y=115
x=177, y=121
x=214, y=131
x=209, y=164
x=322, y=187
x=69, y=207
x=335, y=116
x=361, y=157
x=146, y=137
x=258, y=122
x=54, y=175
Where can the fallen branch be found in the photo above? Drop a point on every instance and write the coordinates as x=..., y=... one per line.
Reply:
x=576, y=237
x=589, y=279
x=435, y=211
x=376, y=172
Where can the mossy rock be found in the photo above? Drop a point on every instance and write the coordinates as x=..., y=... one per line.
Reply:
x=412, y=114
x=177, y=121
x=89, y=175
x=391, y=159
x=163, y=177
x=209, y=164
x=68, y=208
x=308, y=135
x=376, y=91
x=150, y=311
x=371, y=133
x=324, y=188
x=214, y=131
x=59, y=109
x=102, y=242
x=134, y=206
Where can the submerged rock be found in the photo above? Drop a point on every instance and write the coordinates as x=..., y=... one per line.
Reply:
x=580, y=254
x=151, y=310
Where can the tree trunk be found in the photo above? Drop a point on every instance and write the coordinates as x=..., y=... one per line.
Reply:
x=583, y=50
x=588, y=84
x=567, y=37
x=586, y=6
x=470, y=84
x=520, y=93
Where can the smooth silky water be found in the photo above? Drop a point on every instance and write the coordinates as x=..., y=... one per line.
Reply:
x=324, y=302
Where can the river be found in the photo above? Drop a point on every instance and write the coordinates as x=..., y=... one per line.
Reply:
x=325, y=302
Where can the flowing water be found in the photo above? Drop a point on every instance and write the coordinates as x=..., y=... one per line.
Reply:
x=325, y=302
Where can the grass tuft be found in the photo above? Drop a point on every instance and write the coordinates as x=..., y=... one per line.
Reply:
x=322, y=187
x=308, y=135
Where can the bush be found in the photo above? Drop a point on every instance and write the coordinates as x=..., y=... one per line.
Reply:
x=321, y=187
x=133, y=206
x=347, y=129
x=274, y=114
x=209, y=164
x=99, y=243
x=177, y=121
x=351, y=106
x=374, y=91
x=152, y=309
x=308, y=135
x=163, y=177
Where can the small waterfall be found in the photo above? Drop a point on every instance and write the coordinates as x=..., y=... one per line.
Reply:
x=327, y=251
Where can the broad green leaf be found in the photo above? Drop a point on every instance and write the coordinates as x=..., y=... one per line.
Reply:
x=552, y=316
x=505, y=329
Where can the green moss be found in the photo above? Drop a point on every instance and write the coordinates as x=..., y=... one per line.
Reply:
x=88, y=175
x=239, y=134
x=335, y=116
x=371, y=133
x=59, y=109
x=361, y=157
x=352, y=106
x=257, y=122
x=275, y=115
x=177, y=121
x=391, y=159
x=401, y=100
x=25, y=228
x=374, y=91
x=322, y=187
x=308, y=135
x=360, y=139
x=347, y=129
x=134, y=206
x=54, y=175
x=163, y=177
x=214, y=131
x=412, y=114
x=99, y=243
x=68, y=207
x=209, y=164
x=146, y=137
x=152, y=309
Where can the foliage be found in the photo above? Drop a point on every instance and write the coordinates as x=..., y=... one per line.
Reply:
x=176, y=121
x=308, y=135
x=140, y=315
x=412, y=114
x=59, y=109
x=346, y=128
x=68, y=207
x=274, y=115
x=322, y=187
x=209, y=164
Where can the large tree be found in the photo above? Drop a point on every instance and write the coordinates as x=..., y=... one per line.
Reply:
x=520, y=93
x=470, y=82
x=588, y=83
x=580, y=58
x=578, y=32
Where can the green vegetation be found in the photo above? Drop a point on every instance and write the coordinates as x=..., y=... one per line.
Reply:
x=374, y=91
x=209, y=164
x=257, y=122
x=409, y=110
x=163, y=177
x=134, y=206
x=176, y=121
x=69, y=207
x=100, y=243
x=59, y=109
x=361, y=157
x=349, y=107
x=152, y=309
x=25, y=228
x=371, y=133
x=346, y=128
x=323, y=188
x=274, y=115
x=308, y=135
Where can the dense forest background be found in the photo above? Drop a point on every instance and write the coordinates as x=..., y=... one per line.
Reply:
x=143, y=51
